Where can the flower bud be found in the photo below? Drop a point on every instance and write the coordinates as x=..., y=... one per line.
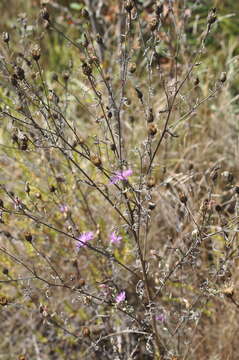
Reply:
x=5, y=37
x=36, y=52
x=152, y=129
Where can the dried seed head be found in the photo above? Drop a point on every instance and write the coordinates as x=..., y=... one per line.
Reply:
x=158, y=9
x=27, y=188
x=52, y=188
x=85, y=41
x=132, y=68
x=28, y=237
x=183, y=198
x=153, y=24
x=218, y=208
x=3, y=300
x=212, y=16
x=54, y=77
x=152, y=129
x=229, y=291
x=150, y=117
x=19, y=72
x=46, y=24
x=109, y=114
x=236, y=189
x=44, y=14
x=38, y=195
x=128, y=6
x=94, y=60
x=152, y=206
x=227, y=176
x=5, y=271
x=85, y=14
x=151, y=182
x=223, y=77
x=99, y=39
x=214, y=175
x=81, y=283
x=113, y=147
x=5, y=37
x=96, y=160
x=14, y=80
x=23, y=144
x=81, y=141
x=36, y=52
x=139, y=94
x=66, y=76
x=1, y=204
x=196, y=81
x=86, y=332
x=87, y=70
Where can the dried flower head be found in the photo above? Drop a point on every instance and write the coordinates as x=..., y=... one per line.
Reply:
x=28, y=237
x=87, y=70
x=152, y=129
x=36, y=52
x=96, y=160
x=151, y=182
x=86, y=331
x=223, y=77
x=44, y=14
x=183, y=198
x=5, y=37
x=132, y=68
x=153, y=24
x=129, y=6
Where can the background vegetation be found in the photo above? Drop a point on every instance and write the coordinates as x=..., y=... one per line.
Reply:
x=118, y=188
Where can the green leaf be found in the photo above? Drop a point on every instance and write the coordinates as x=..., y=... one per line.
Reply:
x=76, y=6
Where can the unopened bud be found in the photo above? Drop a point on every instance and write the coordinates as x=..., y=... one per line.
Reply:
x=36, y=52
x=5, y=37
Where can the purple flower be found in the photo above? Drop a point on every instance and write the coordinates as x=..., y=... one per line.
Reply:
x=63, y=208
x=120, y=297
x=160, y=317
x=114, y=238
x=121, y=175
x=84, y=238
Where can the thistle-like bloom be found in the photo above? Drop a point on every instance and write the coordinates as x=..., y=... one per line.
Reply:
x=160, y=317
x=114, y=238
x=63, y=208
x=84, y=238
x=121, y=175
x=120, y=297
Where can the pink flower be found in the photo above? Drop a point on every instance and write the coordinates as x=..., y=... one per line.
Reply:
x=160, y=317
x=121, y=175
x=84, y=238
x=120, y=297
x=64, y=208
x=114, y=238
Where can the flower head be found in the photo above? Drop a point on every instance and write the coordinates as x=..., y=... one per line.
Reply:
x=114, y=238
x=121, y=175
x=160, y=317
x=84, y=238
x=64, y=208
x=120, y=297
